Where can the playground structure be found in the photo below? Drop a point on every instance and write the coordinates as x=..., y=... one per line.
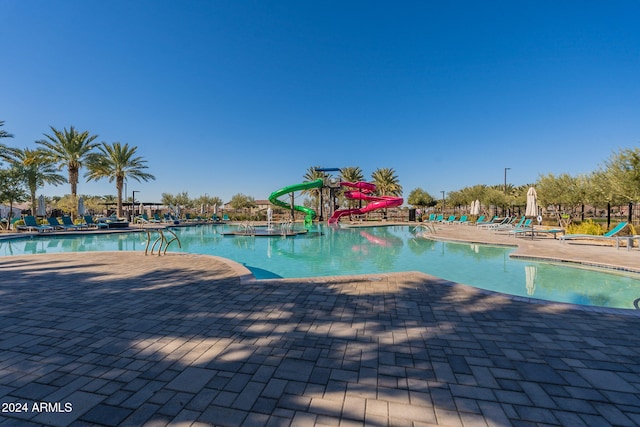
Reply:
x=309, y=214
x=363, y=191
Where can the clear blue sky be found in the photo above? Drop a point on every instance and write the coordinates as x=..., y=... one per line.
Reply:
x=226, y=97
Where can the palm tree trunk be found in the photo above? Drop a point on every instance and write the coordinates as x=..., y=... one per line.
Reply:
x=73, y=180
x=119, y=186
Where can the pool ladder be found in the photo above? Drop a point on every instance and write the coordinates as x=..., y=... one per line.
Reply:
x=162, y=240
x=423, y=230
x=286, y=227
x=247, y=228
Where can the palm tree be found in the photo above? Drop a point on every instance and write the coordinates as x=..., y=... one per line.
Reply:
x=69, y=148
x=36, y=170
x=313, y=174
x=5, y=151
x=117, y=162
x=351, y=174
x=387, y=182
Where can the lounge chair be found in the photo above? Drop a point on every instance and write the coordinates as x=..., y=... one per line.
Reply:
x=449, y=220
x=530, y=229
x=463, y=220
x=141, y=219
x=608, y=236
x=144, y=219
x=90, y=223
x=431, y=218
x=522, y=227
x=437, y=218
x=497, y=222
x=31, y=224
x=482, y=221
x=629, y=240
x=225, y=217
x=68, y=223
x=53, y=222
x=511, y=226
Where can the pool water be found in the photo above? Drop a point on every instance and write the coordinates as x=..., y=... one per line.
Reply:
x=328, y=251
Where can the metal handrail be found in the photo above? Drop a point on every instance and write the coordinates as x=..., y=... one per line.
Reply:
x=162, y=239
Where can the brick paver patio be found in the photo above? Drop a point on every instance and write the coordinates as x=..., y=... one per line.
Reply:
x=123, y=339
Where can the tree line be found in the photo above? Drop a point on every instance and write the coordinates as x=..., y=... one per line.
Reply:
x=615, y=183
x=31, y=168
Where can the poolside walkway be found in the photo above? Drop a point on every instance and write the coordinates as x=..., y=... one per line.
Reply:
x=123, y=339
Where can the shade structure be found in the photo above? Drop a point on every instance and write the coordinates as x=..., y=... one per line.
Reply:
x=41, y=209
x=81, y=208
x=475, y=208
x=532, y=203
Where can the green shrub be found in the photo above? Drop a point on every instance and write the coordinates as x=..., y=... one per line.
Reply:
x=585, y=227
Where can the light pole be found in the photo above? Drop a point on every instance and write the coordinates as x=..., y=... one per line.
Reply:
x=442, y=191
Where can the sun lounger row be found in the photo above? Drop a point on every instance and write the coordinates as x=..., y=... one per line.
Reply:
x=31, y=224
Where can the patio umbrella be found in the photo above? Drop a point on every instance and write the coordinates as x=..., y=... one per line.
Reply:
x=81, y=209
x=475, y=208
x=41, y=210
x=141, y=207
x=532, y=203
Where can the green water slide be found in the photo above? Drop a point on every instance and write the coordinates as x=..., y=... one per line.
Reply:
x=309, y=213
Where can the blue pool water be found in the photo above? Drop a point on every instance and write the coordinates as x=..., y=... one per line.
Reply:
x=330, y=251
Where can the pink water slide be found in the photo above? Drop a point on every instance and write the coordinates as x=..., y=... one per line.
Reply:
x=363, y=191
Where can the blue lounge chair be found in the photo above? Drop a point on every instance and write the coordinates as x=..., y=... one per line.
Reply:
x=31, y=224
x=69, y=225
x=522, y=227
x=449, y=220
x=463, y=220
x=90, y=223
x=608, y=236
x=497, y=222
x=53, y=222
x=511, y=225
x=438, y=218
x=431, y=218
x=482, y=221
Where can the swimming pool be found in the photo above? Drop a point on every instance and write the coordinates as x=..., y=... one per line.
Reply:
x=327, y=251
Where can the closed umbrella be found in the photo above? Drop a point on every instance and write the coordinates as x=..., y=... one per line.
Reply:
x=532, y=206
x=475, y=208
x=41, y=210
x=532, y=203
x=81, y=209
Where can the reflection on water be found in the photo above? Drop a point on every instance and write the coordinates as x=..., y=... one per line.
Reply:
x=326, y=251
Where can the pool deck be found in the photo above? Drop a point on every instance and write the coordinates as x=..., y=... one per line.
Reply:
x=194, y=340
